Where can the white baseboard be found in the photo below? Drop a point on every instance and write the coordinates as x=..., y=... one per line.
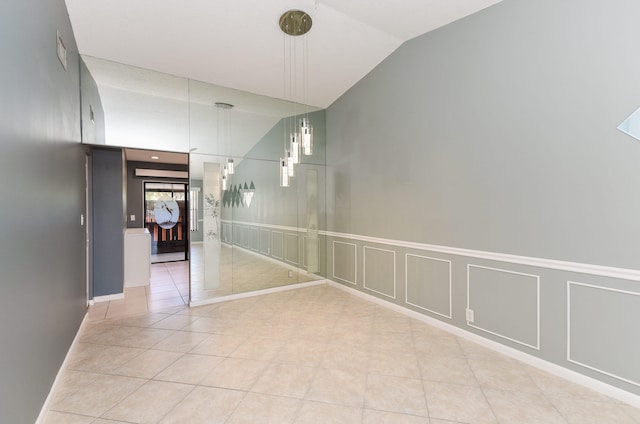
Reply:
x=567, y=374
x=256, y=293
x=107, y=298
x=56, y=382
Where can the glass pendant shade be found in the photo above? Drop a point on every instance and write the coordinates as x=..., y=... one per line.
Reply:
x=291, y=164
x=295, y=147
x=225, y=172
x=306, y=129
x=224, y=182
x=230, y=168
x=284, y=173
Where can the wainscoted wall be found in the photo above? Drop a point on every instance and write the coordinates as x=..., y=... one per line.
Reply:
x=521, y=302
x=477, y=177
x=283, y=244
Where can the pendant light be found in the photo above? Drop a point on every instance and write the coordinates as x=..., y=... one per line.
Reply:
x=284, y=173
x=295, y=23
x=228, y=168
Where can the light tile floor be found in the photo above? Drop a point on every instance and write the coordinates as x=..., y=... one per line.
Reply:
x=312, y=355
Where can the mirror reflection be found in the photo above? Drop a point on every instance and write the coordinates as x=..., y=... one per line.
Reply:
x=246, y=232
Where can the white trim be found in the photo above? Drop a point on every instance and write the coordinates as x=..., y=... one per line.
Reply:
x=257, y=239
x=605, y=271
x=63, y=367
x=569, y=283
x=195, y=303
x=526, y=358
x=364, y=270
x=286, y=249
x=577, y=267
x=282, y=245
x=269, y=226
x=537, y=278
x=406, y=285
x=268, y=252
x=355, y=265
x=108, y=297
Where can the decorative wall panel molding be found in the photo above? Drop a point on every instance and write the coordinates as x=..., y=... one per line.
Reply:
x=379, y=271
x=504, y=303
x=604, y=339
x=428, y=284
x=347, y=269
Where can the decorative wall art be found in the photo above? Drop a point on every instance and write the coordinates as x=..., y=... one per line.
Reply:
x=238, y=195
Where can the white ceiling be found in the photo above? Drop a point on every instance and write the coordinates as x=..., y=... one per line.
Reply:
x=238, y=43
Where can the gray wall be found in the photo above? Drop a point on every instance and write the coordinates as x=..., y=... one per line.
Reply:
x=497, y=133
x=109, y=192
x=42, y=168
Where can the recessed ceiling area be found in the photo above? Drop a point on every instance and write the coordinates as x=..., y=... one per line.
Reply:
x=238, y=44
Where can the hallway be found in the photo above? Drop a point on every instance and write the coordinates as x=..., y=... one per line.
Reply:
x=311, y=355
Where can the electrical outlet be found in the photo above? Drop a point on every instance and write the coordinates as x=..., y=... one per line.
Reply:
x=290, y=274
x=470, y=314
x=132, y=218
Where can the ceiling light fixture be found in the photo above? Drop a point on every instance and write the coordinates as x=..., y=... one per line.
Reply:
x=295, y=23
x=228, y=168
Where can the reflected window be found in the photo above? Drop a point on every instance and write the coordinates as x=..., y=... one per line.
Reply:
x=194, y=197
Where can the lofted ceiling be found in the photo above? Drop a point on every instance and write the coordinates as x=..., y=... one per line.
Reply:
x=238, y=43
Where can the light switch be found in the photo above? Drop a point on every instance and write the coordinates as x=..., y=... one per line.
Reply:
x=133, y=218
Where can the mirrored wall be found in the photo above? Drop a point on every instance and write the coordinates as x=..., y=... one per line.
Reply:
x=247, y=233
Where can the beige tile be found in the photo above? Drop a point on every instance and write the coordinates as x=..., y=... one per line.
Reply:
x=150, y=403
x=559, y=387
x=71, y=381
x=458, y=403
x=284, y=380
x=326, y=413
x=145, y=337
x=522, y=408
x=301, y=352
x=446, y=369
x=395, y=364
x=258, y=348
x=181, y=341
x=442, y=345
x=147, y=364
x=102, y=359
x=219, y=345
x=159, y=305
x=189, y=369
x=354, y=358
x=99, y=396
x=265, y=409
x=395, y=394
x=53, y=417
x=577, y=411
x=235, y=373
x=631, y=411
x=339, y=386
x=383, y=417
x=505, y=374
x=392, y=342
x=174, y=322
x=145, y=320
x=205, y=405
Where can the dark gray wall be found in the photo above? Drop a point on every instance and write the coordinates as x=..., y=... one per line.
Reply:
x=135, y=188
x=109, y=192
x=42, y=170
x=497, y=133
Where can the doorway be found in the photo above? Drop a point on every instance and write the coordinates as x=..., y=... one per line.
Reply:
x=166, y=220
